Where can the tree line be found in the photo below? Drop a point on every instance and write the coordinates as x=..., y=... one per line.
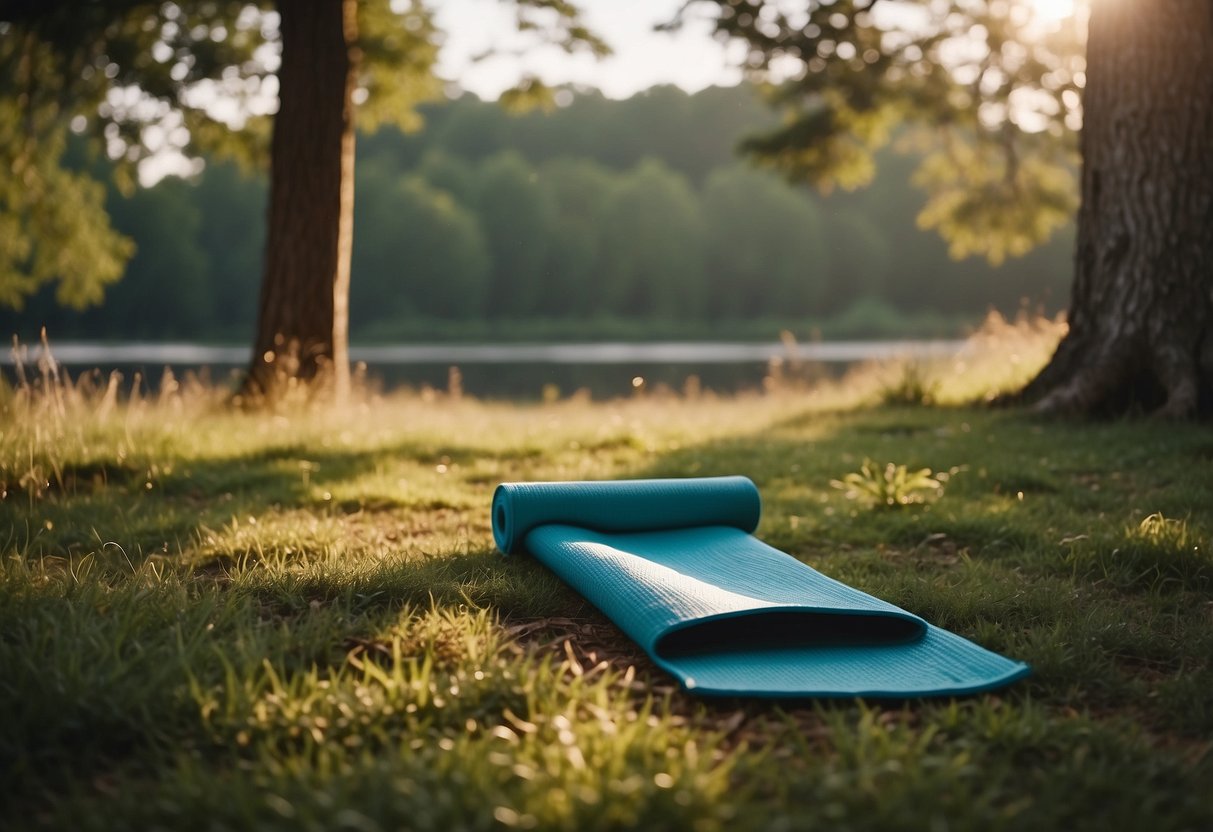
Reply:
x=599, y=210
x=1000, y=89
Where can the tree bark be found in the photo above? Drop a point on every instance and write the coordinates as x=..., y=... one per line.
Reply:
x=1141, y=311
x=302, y=323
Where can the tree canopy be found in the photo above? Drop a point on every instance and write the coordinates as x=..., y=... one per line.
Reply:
x=993, y=86
x=135, y=78
x=139, y=78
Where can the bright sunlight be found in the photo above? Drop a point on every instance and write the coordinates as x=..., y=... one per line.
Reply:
x=1052, y=10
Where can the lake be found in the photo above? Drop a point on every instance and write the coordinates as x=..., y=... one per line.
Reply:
x=518, y=370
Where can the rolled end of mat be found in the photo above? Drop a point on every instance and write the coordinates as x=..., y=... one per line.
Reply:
x=503, y=520
x=623, y=506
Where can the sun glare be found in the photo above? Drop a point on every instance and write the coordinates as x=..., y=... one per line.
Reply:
x=1052, y=10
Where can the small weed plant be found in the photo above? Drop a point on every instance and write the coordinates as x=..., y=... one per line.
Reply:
x=892, y=486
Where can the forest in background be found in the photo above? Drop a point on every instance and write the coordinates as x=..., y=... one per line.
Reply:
x=603, y=218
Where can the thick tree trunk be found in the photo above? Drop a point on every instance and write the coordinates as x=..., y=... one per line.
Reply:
x=302, y=325
x=1141, y=312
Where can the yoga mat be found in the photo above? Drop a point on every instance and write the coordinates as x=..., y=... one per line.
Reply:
x=674, y=565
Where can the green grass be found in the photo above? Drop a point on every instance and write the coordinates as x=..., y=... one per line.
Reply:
x=297, y=620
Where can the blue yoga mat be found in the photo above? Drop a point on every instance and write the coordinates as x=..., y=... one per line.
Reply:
x=674, y=565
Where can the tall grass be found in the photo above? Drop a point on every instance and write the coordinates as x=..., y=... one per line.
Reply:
x=218, y=618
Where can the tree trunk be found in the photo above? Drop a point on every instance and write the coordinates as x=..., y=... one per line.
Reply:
x=303, y=319
x=1141, y=312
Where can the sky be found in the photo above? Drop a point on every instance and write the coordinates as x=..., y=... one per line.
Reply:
x=691, y=58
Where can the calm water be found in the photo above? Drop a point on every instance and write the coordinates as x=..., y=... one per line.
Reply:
x=519, y=371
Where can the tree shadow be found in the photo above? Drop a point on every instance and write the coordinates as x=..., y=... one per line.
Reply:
x=980, y=562
x=145, y=510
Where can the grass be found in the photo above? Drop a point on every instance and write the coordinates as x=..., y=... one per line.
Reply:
x=295, y=620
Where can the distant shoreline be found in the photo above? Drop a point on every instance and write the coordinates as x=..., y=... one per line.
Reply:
x=80, y=353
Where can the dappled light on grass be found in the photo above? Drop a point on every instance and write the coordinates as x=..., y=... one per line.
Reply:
x=295, y=618
x=70, y=435
x=998, y=358
x=1159, y=554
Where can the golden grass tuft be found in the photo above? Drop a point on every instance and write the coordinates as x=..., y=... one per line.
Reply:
x=107, y=423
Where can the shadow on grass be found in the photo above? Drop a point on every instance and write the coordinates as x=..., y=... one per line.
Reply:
x=132, y=511
x=108, y=667
x=141, y=670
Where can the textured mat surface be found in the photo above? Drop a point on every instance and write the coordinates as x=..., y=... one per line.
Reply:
x=673, y=564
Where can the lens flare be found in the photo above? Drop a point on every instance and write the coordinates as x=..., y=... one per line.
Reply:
x=1052, y=10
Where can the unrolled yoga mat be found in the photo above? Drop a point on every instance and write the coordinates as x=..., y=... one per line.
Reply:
x=673, y=564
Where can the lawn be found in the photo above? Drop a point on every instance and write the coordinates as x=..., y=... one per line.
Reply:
x=212, y=619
